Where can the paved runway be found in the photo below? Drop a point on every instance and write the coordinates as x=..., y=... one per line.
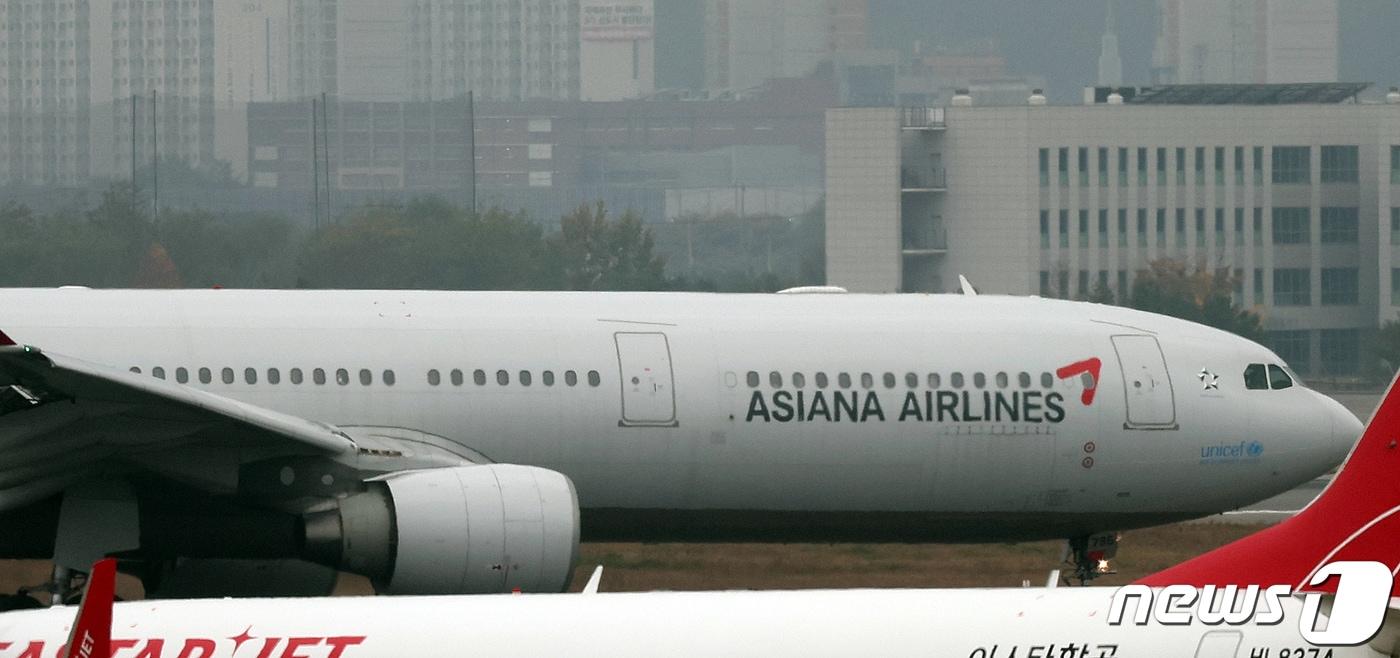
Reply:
x=1274, y=509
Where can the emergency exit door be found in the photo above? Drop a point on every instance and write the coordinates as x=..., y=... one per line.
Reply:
x=648, y=386
x=1147, y=385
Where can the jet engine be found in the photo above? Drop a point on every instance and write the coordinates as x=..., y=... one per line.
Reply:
x=462, y=530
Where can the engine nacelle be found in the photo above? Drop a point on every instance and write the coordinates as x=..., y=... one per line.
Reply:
x=462, y=530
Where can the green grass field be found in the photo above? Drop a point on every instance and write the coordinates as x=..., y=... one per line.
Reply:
x=643, y=567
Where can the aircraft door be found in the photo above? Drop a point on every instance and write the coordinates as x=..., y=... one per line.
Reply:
x=648, y=385
x=1147, y=385
x=1219, y=644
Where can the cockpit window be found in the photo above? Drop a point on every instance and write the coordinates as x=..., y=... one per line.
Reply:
x=1256, y=378
x=1278, y=379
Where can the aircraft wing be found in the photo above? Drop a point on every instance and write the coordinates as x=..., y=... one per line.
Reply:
x=61, y=416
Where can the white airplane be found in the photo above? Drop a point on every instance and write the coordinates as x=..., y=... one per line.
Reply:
x=445, y=442
x=1319, y=585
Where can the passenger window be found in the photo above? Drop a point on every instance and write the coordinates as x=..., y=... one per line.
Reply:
x=274, y=377
x=389, y=378
x=434, y=378
x=548, y=377
x=889, y=380
x=227, y=375
x=934, y=380
x=366, y=377
x=979, y=380
x=843, y=380
x=957, y=380
x=158, y=372
x=135, y=369
x=1256, y=377
x=594, y=379
x=296, y=376
x=1003, y=380
x=525, y=378
x=205, y=376
x=182, y=375
x=1024, y=379
x=250, y=375
x=751, y=378
x=1278, y=379
x=775, y=380
x=342, y=376
x=1046, y=380
x=571, y=378
x=478, y=376
x=821, y=380
x=502, y=377
x=911, y=380
x=798, y=380
x=867, y=380
x=455, y=376
x=319, y=377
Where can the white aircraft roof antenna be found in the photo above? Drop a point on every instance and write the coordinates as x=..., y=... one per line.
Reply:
x=1054, y=580
x=966, y=286
x=594, y=581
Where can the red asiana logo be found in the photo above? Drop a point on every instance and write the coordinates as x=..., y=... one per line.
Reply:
x=1091, y=367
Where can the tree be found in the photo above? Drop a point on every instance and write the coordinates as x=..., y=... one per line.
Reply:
x=1100, y=293
x=1198, y=295
x=1387, y=345
x=593, y=252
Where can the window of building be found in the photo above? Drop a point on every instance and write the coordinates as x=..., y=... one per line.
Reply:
x=1395, y=287
x=1161, y=227
x=1103, y=227
x=1256, y=377
x=1045, y=229
x=434, y=378
x=1339, y=164
x=1395, y=225
x=1220, y=227
x=548, y=377
x=1291, y=226
x=1339, y=225
x=525, y=378
x=571, y=379
x=1291, y=164
x=1044, y=167
x=1181, y=227
x=1239, y=227
x=1181, y=166
x=1142, y=227
x=296, y=376
x=1395, y=164
x=182, y=375
x=502, y=378
x=342, y=377
x=1239, y=165
x=1258, y=165
x=1200, y=227
x=1292, y=287
x=1258, y=227
x=594, y=379
x=1200, y=165
x=1063, y=280
x=318, y=377
x=1219, y=165
x=1082, y=288
x=1045, y=284
x=1103, y=167
x=1063, y=161
x=1295, y=350
x=1237, y=286
x=1123, y=291
x=1339, y=285
x=226, y=375
x=1161, y=166
x=1083, y=166
x=1122, y=227
x=1142, y=166
x=1258, y=286
x=1339, y=351
x=1122, y=167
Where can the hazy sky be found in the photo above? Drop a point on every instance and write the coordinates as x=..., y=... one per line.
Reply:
x=1059, y=39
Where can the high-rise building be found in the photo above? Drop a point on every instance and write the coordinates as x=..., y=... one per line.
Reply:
x=617, y=44
x=1246, y=41
x=44, y=101
x=1110, y=62
x=750, y=41
x=1292, y=192
x=250, y=51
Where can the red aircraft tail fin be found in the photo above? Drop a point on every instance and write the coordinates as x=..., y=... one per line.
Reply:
x=1356, y=518
x=5, y=341
x=92, y=631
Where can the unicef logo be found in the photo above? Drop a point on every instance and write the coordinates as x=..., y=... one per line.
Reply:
x=1255, y=449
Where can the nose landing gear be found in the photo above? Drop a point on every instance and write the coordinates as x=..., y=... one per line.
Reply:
x=1091, y=555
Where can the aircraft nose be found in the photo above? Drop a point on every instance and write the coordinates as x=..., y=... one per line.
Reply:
x=1346, y=427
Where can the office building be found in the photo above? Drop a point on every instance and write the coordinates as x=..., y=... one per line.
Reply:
x=1245, y=41
x=44, y=98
